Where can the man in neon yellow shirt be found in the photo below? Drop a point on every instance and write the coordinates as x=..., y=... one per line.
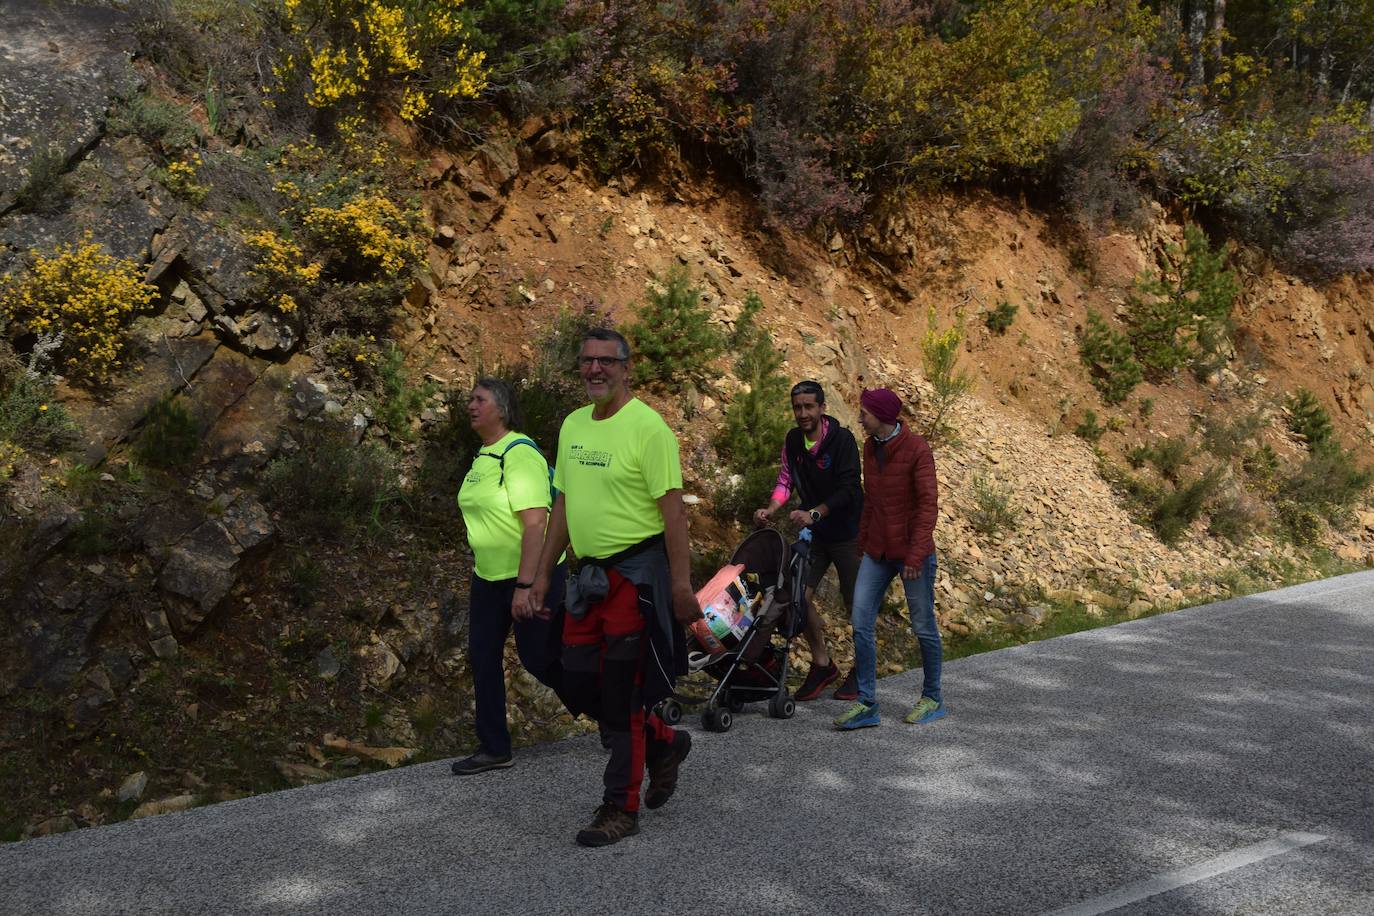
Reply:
x=620, y=506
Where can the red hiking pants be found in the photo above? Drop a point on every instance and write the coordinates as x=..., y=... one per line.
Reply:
x=603, y=670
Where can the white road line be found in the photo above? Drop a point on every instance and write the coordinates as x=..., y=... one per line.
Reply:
x=1160, y=884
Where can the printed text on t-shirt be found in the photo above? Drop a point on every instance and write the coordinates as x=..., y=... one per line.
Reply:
x=588, y=457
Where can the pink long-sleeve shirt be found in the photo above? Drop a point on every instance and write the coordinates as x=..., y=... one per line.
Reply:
x=782, y=490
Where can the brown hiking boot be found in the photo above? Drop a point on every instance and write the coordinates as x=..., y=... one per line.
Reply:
x=663, y=773
x=610, y=825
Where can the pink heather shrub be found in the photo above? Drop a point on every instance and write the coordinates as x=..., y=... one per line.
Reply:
x=1331, y=214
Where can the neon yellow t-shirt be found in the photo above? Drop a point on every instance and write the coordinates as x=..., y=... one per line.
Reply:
x=611, y=473
x=490, y=505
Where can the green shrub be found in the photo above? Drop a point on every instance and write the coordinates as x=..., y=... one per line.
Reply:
x=1235, y=516
x=170, y=434
x=1308, y=419
x=303, y=578
x=1303, y=524
x=1329, y=481
x=1137, y=455
x=673, y=338
x=399, y=401
x=756, y=419
x=332, y=489
x=993, y=511
x=1110, y=360
x=1138, y=492
x=157, y=122
x=1178, y=508
x=738, y=495
x=44, y=190
x=1261, y=467
x=95, y=535
x=426, y=716
x=1225, y=438
x=1170, y=457
x=30, y=415
x=1088, y=428
x=1182, y=316
x=1000, y=318
x=939, y=360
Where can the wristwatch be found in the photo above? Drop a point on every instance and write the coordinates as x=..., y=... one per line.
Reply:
x=815, y=515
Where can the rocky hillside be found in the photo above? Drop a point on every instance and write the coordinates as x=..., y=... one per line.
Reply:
x=184, y=625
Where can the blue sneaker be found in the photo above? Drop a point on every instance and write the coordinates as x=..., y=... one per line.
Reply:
x=927, y=710
x=860, y=715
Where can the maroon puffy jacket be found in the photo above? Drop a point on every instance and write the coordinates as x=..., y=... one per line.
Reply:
x=900, y=502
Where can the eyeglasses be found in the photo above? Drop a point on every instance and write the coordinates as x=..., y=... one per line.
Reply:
x=586, y=362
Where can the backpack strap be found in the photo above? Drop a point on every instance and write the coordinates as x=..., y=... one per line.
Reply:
x=501, y=458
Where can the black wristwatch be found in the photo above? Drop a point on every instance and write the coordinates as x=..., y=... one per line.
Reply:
x=520, y=585
x=815, y=515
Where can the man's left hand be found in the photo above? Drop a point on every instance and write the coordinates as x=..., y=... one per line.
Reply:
x=911, y=572
x=685, y=607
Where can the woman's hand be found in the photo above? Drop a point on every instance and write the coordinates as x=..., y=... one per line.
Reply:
x=534, y=598
x=520, y=604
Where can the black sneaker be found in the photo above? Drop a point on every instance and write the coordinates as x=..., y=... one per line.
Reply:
x=663, y=773
x=849, y=690
x=480, y=762
x=610, y=825
x=817, y=679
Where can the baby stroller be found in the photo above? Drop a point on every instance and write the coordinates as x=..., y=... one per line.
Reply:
x=760, y=594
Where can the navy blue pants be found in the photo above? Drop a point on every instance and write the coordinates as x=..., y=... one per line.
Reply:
x=539, y=642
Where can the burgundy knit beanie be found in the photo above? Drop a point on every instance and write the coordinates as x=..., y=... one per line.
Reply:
x=882, y=403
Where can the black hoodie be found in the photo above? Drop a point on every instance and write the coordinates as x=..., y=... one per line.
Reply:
x=830, y=476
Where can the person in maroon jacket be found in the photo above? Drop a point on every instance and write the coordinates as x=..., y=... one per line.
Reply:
x=896, y=538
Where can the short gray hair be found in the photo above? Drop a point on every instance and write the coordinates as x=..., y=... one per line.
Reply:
x=503, y=395
x=609, y=334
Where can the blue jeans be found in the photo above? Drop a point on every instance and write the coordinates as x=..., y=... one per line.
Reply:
x=874, y=578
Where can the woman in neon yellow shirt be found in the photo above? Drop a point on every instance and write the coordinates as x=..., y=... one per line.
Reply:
x=505, y=500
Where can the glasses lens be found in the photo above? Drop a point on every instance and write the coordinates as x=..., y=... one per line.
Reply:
x=588, y=361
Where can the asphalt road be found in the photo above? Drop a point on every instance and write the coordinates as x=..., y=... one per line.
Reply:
x=1214, y=760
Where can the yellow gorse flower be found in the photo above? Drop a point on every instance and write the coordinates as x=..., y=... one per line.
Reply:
x=352, y=48
x=85, y=294
x=370, y=225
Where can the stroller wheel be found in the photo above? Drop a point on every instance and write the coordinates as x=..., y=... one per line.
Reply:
x=781, y=706
x=717, y=720
x=670, y=711
x=735, y=702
